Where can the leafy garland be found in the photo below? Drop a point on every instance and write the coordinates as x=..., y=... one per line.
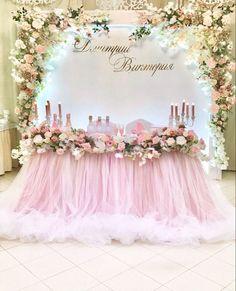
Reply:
x=210, y=51
x=40, y=31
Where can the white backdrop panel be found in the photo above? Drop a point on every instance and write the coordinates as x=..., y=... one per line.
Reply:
x=86, y=84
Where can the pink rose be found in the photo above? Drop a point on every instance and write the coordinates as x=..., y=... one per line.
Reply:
x=231, y=100
x=56, y=130
x=215, y=95
x=170, y=141
x=40, y=49
x=211, y=63
x=222, y=61
x=25, y=136
x=191, y=135
x=17, y=110
x=44, y=128
x=155, y=140
x=121, y=146
x=34, y=130
x=202, y=144
x=86, y=146
x=109, y=143
x=232, y=67
x=195, y=149
x=180, y=131
x=141, y=138
x=60, y=151
x=29, y=92
x=29, y=59
x=172, y=132
x=214, y=108
x=54, y=139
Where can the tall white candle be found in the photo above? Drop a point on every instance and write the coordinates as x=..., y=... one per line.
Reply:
x=183, y=108
x=176, y=110
x=187, y=109
x=172, y=110
x=59, y=110
x=193, y=110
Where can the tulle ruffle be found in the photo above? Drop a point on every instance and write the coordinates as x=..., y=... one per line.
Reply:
x=100, y=198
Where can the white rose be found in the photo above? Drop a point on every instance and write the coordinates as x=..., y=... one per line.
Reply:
x=15, y=154
x=173, y=20
x=22, y=95
x=37, y=23
x=150, y=156
x=32, y=40
x=62, y=136
x=20, y=44
x=25, y=25
x=77, y=153
x=167, y=132
x=226, y=19
x=52, y=28
x=30, y=85
x=212, y=41
x=217, y=14
x=100, y=145
x=48, y=134
x=130, y=138
x=38, y=139
x=185, y=133
x=207, y=13
x=181, y=140
x=207, y=21
x=58, y=11
x=170, y=141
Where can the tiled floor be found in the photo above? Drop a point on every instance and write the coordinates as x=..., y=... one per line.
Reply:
x=72, y=266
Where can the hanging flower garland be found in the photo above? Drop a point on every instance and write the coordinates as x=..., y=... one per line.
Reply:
x=209, y=50
x=203, y=29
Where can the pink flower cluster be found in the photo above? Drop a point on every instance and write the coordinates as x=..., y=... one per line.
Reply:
x=144, y=145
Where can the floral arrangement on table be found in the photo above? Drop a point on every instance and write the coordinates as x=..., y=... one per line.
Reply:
x=211, y=52
x=203, y=28
x=143, y=146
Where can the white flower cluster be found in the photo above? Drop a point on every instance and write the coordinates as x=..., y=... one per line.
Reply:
x=209, y=16
x=34, y=2
x=220, y=159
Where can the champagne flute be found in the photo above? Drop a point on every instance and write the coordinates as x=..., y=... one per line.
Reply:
x=121, y=129
x=116, y=129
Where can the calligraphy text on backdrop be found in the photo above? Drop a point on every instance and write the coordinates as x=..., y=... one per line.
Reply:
x=120, y=59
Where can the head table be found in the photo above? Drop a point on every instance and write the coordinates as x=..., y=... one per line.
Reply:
x=100, y=198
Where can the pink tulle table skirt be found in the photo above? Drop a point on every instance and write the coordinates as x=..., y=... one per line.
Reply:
x=99, y=198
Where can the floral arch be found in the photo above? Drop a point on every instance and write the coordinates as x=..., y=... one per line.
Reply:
x=203, y=29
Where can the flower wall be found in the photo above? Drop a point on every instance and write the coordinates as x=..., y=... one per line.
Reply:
x=202, y=29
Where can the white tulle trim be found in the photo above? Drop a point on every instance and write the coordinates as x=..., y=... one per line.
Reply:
x=101, y=229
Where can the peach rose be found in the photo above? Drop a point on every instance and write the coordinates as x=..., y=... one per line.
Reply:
x=214, y=108
x=211, y=63
x=29, y=58
x=40, y=49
